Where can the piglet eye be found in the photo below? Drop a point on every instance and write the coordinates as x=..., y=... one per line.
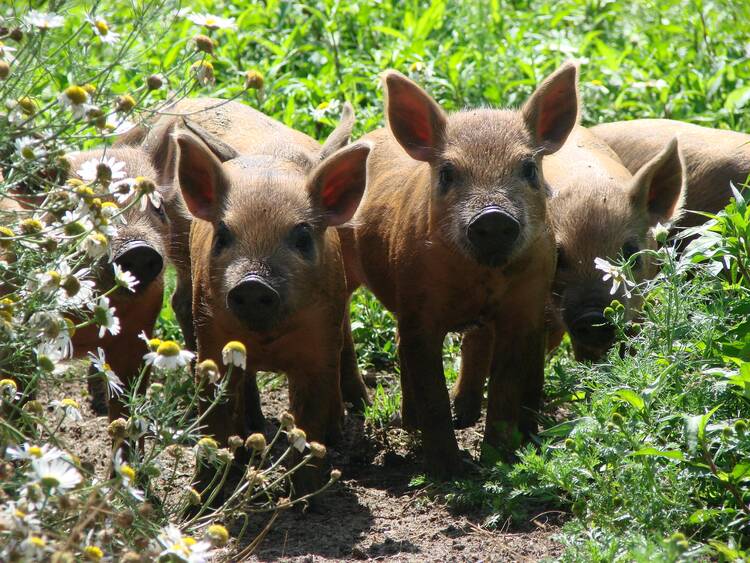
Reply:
x=446, y=177
x=530, y=173
x=301, y=239
x=222, y=238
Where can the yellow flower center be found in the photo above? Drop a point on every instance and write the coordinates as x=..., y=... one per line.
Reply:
x=76, y=95
x=27, y=105
x=110, y=205
x=102, y=27
x=127, y=471
x=210, y=21
x=35, y=451
x=235, y=346
x=189, y=541
x=27, y=152
x=144, y=185
x=218, y=532
x=19, y=514
x=207, y=442
x=90, y=89
x=54, y=277
x=31, y=226
x=154, y=344
x=8, y=383
x=37, y=541
x=92, y=552
x=70, y=403
x=168, y=348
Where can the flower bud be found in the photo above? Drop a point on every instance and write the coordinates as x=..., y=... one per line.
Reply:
x=4, y=70
x=34, y=407
x=204, y=43
x=297, y=438
x=287, y=421
x=661, y=233
x=154, y=82
x=118, y=429
x=193, y=497
x=207, y=370
x=125, y=518
x=125, y=103
x=256, y=442
x=253, y=80
x=617, y=419
x=570, y=444
x=218, y=535
x=71, y=285
x=335, y=474
x=92, y=553
x=317, y=450
x=16, y=34
x=145, y=510
x=34, y=492
x=740, y=427
x=234, y=442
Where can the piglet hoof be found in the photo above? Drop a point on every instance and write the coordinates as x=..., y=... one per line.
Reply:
x=466, y=413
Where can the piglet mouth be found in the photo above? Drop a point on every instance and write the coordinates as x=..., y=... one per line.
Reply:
x=142, y=260
x=255, y=302
x=592, y=335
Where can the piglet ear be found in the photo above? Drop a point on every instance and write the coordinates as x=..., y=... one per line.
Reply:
x=658, y=188
x=337, y=184
x=552, y=110
x=201, y=179
x=340, y=136
x=415, y=119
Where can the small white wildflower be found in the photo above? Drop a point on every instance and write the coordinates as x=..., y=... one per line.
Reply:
x=95, y=245
x=75, y=98
x=234, y=353
x=34, y=548
x=68, y=408
x=616, y=274
x=114, y=383
x=326, y=108
x=28, y=451
x=89, y=170
x=124, y=278
x=104, y=316
x=168, y=355
x=127, y=474
x=210, y=21
x=43, y=20
x=29, y=149
x=56, y=475
x=180, y=547
x=102, y=30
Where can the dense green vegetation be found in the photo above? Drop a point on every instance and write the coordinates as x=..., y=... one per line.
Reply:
x=649, y=451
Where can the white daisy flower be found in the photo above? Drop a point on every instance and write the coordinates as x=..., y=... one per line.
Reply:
x=183, y=548
x=95, y=245
x=90, y=171
x=9, y=390
x=169, y=356
x=235, y=354
x=102, y=30
x=127, y=474
x=210, y=21
x=17, y=519
x=114, y=383
x=27, y=451
x=34, y=548
x=76, y=99
x=68, y=408
x=56, y=475
x=43, y=20
x=29, y=148
x=123, y=190
x=616, y=274
x=48, y=282
x=326, y=108
x=123, y=278
x=104, y=316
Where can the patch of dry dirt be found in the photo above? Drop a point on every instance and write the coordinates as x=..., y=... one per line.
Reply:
x=372, y=513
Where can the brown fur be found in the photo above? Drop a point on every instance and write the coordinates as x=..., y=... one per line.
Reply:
x=414, y=254
x=260, y=197
x=713, y=158
x=598, y=209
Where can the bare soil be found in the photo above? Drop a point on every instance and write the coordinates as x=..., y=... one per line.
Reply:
x=372, y=513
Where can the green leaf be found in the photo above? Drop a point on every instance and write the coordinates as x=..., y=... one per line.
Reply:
x=630, y=396
x=653, y=452
x=737, y=98
x=703, y=515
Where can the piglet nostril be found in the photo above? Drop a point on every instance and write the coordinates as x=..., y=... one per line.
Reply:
x=254, y=301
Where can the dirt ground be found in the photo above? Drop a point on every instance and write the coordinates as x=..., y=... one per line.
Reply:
x=372, y=513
